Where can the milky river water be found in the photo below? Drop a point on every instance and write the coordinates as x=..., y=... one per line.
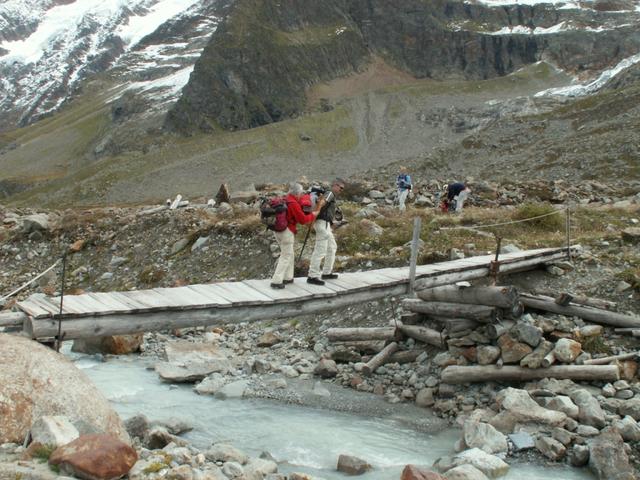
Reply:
x=303, y=439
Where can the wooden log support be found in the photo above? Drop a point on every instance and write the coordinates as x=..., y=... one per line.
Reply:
x=503, y=297
x=591, y=314
x=479, y=313
x=379, y=359
x=490, y=373
x=425, y=335
x=405, y=356
x=12, y=319
x=453, y=325
x=364, y=346
x=613, y=358
x=364, y=334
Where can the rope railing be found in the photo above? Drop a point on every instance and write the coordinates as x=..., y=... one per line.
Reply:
x=26, y=284
x=473, y=227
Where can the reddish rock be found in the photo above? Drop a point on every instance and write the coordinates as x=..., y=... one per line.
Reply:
x=512, y=351
x=112, y=345
x=77, y=246
x=95, y=457
x=352, y=465
x=355, y=381
x=470, y=354
x=411, y=472
x=629, y=369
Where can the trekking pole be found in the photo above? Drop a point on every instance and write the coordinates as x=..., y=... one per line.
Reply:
x=306, y=237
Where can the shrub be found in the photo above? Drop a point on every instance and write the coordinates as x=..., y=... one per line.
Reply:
x=532, y=210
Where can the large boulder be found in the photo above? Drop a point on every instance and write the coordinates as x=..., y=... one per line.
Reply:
x=95, y=457
x=483, y=436
x=36, y=381
x=411, y=472
x=590, y=412
x=191, y=362
x=352, y=465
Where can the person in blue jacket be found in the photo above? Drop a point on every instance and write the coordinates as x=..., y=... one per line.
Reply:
x=403, y=182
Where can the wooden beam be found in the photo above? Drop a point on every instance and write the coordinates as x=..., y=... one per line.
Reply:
x=479, y=313
x=154, y=321
x=503, y=297
x=12, y=319
x=595, y=315
x=425, y=335
x=490, y=373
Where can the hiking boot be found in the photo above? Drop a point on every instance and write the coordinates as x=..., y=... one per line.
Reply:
x=315, y=281
x=278, y=286
x=329, y=276
x=286, y=282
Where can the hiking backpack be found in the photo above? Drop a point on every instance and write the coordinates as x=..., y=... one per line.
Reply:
x=273, y=214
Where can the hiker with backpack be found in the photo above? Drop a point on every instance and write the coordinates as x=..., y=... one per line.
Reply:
x=285, y=230
x=325, y=247
x=456, y=194
x=403, y=182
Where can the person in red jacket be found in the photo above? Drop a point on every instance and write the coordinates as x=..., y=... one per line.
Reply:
x=286, y=238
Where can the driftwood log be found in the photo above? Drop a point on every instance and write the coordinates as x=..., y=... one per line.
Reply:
x=508, y=373
x=591, y=314
x=425, y=335
x=565, y=298
x=363, y=334
x=479, y=313
x=613, y=358
x=379, y=359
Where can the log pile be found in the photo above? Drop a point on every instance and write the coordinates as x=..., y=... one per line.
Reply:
x=486, y=336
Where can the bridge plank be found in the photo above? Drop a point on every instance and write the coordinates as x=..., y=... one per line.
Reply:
x=317, y=291
x=210, y=294
x=33, y=309
x=80, y=305
x=134, y=306
x=151, y=299
x=185, y=297
x=44, y=302
x=238, y=293
x=288, y=294
x=110, y=302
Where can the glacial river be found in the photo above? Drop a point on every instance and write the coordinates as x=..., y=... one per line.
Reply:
x=304, y=439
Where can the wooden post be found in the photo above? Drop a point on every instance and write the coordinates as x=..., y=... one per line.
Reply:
x=568, y=227
x=479, y=313
x=417, y=224
x=504, y=297
x=351, y=334
x=495, y=264
x=426, y=335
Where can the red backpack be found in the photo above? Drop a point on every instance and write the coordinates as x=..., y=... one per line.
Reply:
x=273, y=214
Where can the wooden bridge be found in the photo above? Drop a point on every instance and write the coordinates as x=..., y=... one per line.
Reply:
x=118, y=313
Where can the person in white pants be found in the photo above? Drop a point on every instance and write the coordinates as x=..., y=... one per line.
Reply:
x=403, y=182
x=326, y=246
x=295, y=215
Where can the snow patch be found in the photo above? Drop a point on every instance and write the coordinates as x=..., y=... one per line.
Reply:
x=171, y=84
x=557, y=3
x=595, y=85
x=560, y=27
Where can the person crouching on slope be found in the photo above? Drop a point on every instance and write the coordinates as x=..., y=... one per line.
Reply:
x=286, y=238
x=325, y=247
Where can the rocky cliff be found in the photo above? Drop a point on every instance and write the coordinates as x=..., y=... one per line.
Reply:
x=266, y=53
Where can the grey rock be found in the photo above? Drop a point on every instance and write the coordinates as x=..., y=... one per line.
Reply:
x=221, y=452
x=587, y=431
x=235, y=389
x=488, y=464
x=550, y=448
x=53, y=430
x=484, y=436
x=211, y=384
x=424, y=398
x=259, y=468
x=590, y=412
x=628, y=428
x=567, y=350
x=233, y=470
x=521, y=441
x=631, y=408
x=326, y=368
x=526, y=333
x=465, y=472
x=608, y=458
x=579, y=455
x=562, y=403
x=352, y=465
x=487, y=354
x=137, y=426
x=520, y=404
